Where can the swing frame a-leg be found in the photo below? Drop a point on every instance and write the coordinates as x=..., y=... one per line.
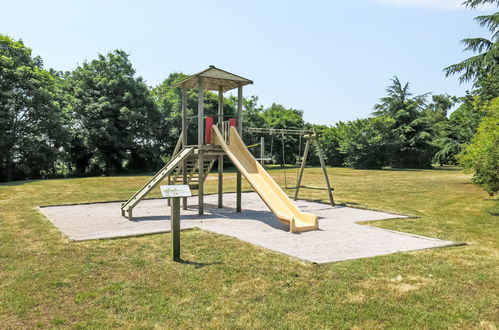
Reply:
x=323, y=166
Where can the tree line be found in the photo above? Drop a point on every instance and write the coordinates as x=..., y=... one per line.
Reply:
x=103, y=119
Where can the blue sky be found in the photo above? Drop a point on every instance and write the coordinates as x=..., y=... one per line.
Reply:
x=331, y=59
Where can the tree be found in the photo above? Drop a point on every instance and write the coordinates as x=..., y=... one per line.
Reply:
x=366, y=143
x=330, y=139
x=465, y=119
x=482, y=69
x=168, y=101
x=30, y=119
x=399, y=104
x=435, y=115
x=112, y=117
x=412, y=144
x=252, y=112
x=481, y=156
x=448, y=150
x=454, y=133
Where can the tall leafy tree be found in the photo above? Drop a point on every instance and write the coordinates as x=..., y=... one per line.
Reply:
x=475, y=122
x=330, y=138
x=412, y=147
x=481, y=156
x=366, y=143
x=30, y=118
x=168, y=101
x=399, y=102
x=454, y=132
x=252, y=111
x=112, y=115
x=435, y=114
x=483, y=68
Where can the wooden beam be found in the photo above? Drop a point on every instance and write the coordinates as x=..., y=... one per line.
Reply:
x=240, y=110
x=221, y=157
x=310, y=187
x=200, y=146
x=220, y=104
x=278, y=131
x=239, y=187
x=179, y=145
x=175, y=228
x=262, y=150
x=184, y=142
x=324, y=171
x=302, y=168
x=184, y=117
x=169, y=181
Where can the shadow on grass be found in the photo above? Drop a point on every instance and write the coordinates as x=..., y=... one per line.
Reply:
x=494, y=208
x=392, y=169
x=435, y=168
x=198, y=264
x=447, y=168
x=17, y=183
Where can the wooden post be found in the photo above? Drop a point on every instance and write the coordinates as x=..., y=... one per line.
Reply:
x=173, y=193
x=324, y=171
x=184, y=142
x=302, y=168
x=221, y=157
x=220, y=104
x=200, y=147
x=262, y=150
x=169, y=182
x=240, y=131
x=175, y=228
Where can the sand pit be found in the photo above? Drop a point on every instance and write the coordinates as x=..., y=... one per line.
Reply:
x=339, y=238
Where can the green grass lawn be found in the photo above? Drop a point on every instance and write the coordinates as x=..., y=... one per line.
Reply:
x=46, y=281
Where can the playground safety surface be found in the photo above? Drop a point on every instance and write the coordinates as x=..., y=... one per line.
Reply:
x=339, y=237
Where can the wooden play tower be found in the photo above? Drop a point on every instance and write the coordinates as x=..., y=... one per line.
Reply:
x=191, y=163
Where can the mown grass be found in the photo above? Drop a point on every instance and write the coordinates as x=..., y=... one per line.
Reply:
x=46, y=281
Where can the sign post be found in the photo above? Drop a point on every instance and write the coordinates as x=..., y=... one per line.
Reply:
x=174, y=193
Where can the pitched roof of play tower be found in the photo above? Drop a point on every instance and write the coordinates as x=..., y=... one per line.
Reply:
x=214, y=78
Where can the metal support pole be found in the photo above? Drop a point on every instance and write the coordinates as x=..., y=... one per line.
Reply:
x=302, y=168
x=200, y=147
x=240, y=131
x=175, y=228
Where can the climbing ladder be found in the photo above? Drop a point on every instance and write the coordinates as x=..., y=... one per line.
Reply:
x=175, y=162
x=192, y=171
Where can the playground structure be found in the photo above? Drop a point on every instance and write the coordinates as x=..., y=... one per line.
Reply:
x=340, y=237
x=191, y=163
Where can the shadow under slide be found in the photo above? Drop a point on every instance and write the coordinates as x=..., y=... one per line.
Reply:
x=270, y=192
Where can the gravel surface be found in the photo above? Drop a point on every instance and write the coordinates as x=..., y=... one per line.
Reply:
x=339, y=237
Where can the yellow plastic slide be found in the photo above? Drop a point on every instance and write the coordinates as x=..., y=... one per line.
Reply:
x=270, y=192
